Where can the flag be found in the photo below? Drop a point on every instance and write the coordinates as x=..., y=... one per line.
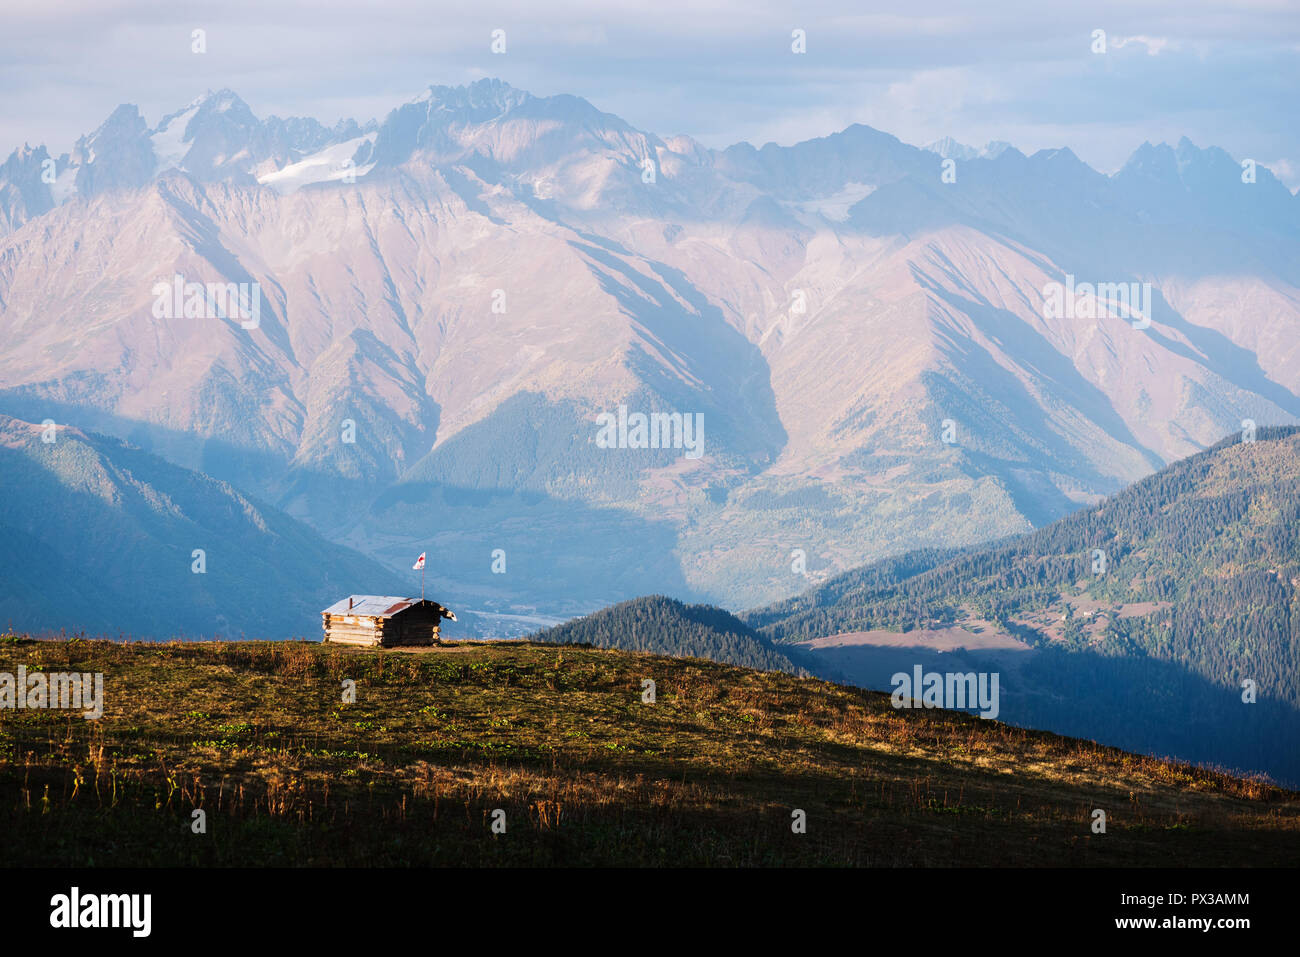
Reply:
x=419, y=562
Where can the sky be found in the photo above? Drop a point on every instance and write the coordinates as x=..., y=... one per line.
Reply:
x=1222, y=73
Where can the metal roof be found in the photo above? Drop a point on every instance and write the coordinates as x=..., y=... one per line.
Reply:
x=377, y=606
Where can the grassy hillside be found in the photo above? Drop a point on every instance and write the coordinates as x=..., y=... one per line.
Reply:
x=665, y=626
x=558, y=738
x=100, y=535
x=1197, y=590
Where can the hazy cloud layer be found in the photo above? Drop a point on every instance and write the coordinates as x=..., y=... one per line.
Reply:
x=1219, y=73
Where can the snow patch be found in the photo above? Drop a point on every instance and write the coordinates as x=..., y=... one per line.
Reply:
x=329, y=165
x=836, y=206
x=64, y=186
x=169, y=143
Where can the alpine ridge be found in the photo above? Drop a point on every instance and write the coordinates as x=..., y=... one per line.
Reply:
x=451, y=296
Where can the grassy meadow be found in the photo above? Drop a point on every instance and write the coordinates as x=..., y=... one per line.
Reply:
x=256, y=734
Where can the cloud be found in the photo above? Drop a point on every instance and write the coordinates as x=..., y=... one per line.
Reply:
x=1153, y=44
x=1287, y=171
x=947, y=90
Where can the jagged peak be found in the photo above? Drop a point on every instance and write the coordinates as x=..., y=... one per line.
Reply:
x=950, y=148
x=209, y=102
x=476, y=96
x=126, y=115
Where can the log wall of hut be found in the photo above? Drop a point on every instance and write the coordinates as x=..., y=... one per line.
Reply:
x=414, y=627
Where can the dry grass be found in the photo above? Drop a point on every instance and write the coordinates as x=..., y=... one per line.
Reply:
x=255, y=734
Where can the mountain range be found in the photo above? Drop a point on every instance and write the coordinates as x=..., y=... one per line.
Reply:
x=451, y=298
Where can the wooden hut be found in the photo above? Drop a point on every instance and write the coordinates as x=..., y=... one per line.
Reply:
x=384, y=621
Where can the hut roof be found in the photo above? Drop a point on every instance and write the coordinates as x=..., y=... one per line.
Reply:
x=379, y=606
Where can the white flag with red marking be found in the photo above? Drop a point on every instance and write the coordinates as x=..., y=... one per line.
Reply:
x=419, y=562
